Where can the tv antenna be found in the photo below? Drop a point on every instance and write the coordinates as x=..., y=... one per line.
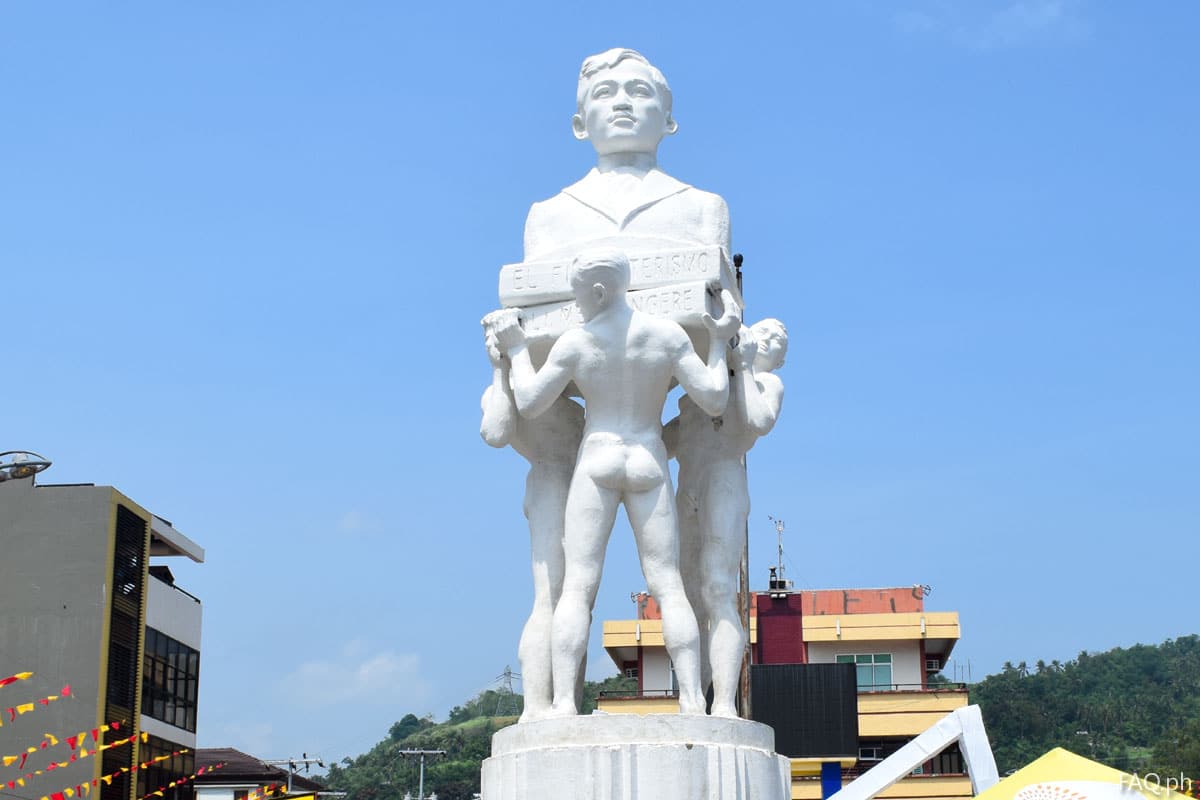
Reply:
x=17, y=464
x=779, y=526
x=778, y=584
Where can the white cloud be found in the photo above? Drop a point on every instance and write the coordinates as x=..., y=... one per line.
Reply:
x=357, y=523
x=355, y=675
x=1017, y=23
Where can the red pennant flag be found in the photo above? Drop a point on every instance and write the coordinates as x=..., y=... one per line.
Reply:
x=20, y=676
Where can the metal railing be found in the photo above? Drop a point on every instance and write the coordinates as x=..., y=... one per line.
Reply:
x=634, y=694
x=912, y=687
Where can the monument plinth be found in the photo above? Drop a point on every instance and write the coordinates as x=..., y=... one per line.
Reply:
x=630, y=757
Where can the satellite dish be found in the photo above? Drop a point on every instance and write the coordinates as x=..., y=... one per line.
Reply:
x=16, y=464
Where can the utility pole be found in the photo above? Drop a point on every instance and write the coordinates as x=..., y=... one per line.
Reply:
x=293, y=764
x=421, y=754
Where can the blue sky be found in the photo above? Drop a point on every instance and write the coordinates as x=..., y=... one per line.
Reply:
x=245, y=248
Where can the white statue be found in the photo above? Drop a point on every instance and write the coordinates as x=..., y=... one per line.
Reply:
x=623, y=362
x=623, y=107
x=550, y=444
x=714, y=501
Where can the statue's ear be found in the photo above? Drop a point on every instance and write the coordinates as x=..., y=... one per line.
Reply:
x=672, y=125
x=578, y=127
x=601, y=293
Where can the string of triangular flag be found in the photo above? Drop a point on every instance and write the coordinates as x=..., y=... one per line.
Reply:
x=83, y=753
x=181, y=781
x=50, y=740
x=24, y=708
x=85, y=789
x=270, y=789
x=20, y=676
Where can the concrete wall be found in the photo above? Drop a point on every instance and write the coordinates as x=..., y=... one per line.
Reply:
x=656, y=670
x=174, y=613
x=907, y=667
x=53, y=611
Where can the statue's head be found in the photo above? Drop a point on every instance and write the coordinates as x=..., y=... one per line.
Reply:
x=598, y=277
x=623, y=103
x=772, y=339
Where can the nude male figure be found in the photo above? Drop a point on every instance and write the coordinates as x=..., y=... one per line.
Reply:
x=622, y=362
x=623, y=108
x=714, y=501
x=550, y=444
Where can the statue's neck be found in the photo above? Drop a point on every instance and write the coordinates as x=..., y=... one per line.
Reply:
x=629, y=163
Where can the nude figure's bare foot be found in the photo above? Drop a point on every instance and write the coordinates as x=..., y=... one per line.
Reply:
x=693, y=707
x=727, y=711
x=533, y=714
x=559, y=710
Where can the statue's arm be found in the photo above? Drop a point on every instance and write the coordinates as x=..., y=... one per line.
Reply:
x=499, y=411
x=670, y=437
x=706, y=383
x=535, y=390
x=762, y=396
x=716, y=222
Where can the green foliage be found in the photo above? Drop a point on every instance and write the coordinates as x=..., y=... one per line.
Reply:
x=591, y=691
x=466, y=736
x=1134, y=708
x=485, y=704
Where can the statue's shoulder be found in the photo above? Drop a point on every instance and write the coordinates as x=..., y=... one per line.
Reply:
x=710, y=201
x=659, y=329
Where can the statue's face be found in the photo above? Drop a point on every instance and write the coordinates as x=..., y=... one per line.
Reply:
x=623, y=111
x=591, y=299
x=770, y=348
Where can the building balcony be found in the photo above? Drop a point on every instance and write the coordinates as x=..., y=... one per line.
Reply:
x=906, y=710
x=640, y=703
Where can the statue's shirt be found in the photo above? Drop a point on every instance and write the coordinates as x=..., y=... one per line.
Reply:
x=649, y=213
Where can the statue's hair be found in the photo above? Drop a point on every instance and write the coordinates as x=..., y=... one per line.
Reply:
x=776, y=329
x=607, y=266
x=609, y=59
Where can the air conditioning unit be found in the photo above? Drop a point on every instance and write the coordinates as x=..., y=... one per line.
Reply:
x=933, y=665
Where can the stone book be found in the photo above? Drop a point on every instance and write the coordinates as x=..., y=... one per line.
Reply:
x=536, y=283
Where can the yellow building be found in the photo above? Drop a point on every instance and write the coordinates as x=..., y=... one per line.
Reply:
x=898, y=650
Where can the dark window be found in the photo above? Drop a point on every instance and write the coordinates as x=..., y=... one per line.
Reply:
x=169, y=681
x=158, y=775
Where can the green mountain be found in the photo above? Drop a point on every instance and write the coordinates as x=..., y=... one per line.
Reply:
x=1135, y=708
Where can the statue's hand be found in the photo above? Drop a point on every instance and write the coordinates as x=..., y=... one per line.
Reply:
x=747, y=347
x=506, y=326
x=725, y=327
x=493, y=350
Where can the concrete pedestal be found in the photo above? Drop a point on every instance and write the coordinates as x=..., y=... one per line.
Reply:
x=628, y=757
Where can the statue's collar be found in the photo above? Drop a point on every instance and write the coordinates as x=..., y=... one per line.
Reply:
x=597, y=191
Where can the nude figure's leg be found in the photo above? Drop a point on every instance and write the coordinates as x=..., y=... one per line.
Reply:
x=690, y=569
x=591, y=511
x=652, y=517
x=725, y=507
x=545, y=501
